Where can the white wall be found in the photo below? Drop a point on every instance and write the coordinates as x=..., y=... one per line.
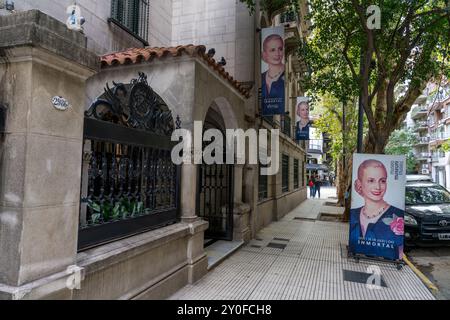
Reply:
x=160, y=24
x=224, y=25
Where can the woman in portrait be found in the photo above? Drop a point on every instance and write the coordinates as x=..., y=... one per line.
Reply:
x=303, y=125
x=272, y=80
x=376, y=229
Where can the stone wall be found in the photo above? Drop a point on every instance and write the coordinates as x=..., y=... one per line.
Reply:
x=102, y=37
x=41, y=151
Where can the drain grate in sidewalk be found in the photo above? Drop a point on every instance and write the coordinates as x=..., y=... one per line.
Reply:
x=276, y=245
x=304, y=219
x=281, y=239
x=360, y=277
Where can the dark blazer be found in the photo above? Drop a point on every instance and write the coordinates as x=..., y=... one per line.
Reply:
x=379, y=240
x=302, y=134
x=273, y=101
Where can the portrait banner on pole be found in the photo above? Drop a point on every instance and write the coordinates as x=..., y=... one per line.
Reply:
x=272, y=71
x=302, y=119
x=378, y=206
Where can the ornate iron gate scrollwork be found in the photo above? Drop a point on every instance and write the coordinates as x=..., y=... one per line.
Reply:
x=215, y=192
x=129, y=183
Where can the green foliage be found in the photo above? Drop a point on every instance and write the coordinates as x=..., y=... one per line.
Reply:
x=330, y=111
x=411, y=48
x=105, y=211
x=269, y=6
x=401, y=142
x=445, y=147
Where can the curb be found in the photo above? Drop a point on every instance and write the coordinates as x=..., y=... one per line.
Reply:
x=422, y=277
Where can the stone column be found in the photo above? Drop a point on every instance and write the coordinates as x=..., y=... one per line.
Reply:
x=188, y=189
x=241, y=211
x=40, y=163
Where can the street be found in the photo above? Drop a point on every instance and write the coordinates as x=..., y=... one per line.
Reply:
x=435, y=264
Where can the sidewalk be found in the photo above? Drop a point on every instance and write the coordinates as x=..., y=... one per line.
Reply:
x=301, y=258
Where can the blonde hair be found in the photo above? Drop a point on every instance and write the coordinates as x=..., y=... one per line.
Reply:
x=370, y=163
x=270, y=38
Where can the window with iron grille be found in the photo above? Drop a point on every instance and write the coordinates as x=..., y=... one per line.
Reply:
x=303, y=175
x=296, y=184
x=132, y=16
x=262, y=185
x=286, y=128
x=285, y=173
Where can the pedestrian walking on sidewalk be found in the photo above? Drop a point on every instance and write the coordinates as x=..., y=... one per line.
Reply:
x=311, y=185
x=317, y=185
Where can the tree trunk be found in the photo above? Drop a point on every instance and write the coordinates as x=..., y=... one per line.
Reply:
x=340, y=183
x=348, y=184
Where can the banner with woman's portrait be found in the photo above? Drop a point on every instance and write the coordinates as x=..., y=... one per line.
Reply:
x=272, y=71
x=302, y=119
x=378, y=206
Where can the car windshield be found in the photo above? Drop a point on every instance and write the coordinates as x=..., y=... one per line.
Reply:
x=432, y=194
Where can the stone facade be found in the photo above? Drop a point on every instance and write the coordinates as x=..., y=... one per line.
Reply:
x=101, y=36
x=41, y=149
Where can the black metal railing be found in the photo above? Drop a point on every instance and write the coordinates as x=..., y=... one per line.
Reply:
x=286, y=125
x=270, y=120
x=288, y=16
x=215, y=199
x=132, y=16
x=262, y=185
x=285, y=173
x=129, y=182
x=296, y=180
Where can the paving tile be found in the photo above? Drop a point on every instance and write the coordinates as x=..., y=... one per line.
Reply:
x=308, y=267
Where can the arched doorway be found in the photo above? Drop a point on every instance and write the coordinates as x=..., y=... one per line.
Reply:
x=215, y=187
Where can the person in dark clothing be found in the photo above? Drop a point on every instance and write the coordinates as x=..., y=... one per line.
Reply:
x=317, y=185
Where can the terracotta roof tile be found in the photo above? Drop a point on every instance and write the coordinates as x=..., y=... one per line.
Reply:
x=139, y=55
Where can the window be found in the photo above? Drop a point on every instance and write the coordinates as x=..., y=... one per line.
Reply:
x=303, y=175
x=296, y=163
x=285, y=173
x=132, y=16
x=262, y=185
x=286, y=125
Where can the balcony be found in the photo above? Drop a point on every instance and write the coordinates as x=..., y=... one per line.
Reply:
x=423, y=156
x=439, y=137
x=291, y=22
x=315, y=146
x=419, y=112
x=423, y=140
x=421, y=125
x=437, y=156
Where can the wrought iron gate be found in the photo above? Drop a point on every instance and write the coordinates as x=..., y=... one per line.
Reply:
x=215, y=190
x=215, y=200
x=129, y=182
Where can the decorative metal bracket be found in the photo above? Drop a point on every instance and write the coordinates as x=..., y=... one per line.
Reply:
x=134, y=105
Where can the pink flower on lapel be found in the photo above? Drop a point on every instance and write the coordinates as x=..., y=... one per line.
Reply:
x=397, y=226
